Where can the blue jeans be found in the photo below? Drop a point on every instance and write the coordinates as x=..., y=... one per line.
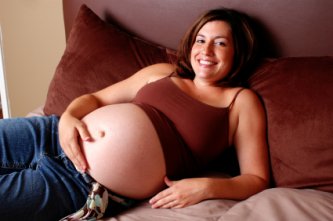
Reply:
x=37, y=180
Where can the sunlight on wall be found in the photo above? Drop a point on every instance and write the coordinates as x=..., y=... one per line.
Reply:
x=4, y=102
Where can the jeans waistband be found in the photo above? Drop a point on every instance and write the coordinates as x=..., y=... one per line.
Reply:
x=87, y=178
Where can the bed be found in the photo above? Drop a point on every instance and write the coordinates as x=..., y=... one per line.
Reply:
x=107, y=41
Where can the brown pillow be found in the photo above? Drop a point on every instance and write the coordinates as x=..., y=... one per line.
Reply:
x=97, y=55
x=298, y=97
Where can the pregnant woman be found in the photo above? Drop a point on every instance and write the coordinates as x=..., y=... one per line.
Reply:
x=149, y=136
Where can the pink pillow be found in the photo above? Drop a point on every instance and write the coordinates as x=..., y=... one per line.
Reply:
x=97, y=55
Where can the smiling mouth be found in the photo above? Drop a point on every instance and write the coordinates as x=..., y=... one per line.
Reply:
x=205, y=62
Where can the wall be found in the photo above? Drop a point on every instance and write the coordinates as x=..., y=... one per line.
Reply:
x=33, y=42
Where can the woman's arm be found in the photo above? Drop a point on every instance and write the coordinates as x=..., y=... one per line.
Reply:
x=249, y=138
x=71, y=127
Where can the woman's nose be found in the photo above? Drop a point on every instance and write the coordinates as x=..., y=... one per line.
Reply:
x=207, y=49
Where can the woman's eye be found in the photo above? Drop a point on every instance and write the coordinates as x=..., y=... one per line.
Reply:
x=220, y=43
x=200, y=41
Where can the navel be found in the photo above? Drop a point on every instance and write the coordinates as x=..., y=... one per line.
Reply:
x=101, y=133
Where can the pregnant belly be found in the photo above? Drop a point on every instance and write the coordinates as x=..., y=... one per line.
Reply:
x=125, y=154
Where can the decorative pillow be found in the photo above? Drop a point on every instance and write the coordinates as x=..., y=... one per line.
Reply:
x=97, y=55
x=298, y=97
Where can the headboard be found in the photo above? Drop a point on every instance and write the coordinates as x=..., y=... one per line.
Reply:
x=290, y=27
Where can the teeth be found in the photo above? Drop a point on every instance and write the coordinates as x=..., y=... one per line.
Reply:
x=205, y=62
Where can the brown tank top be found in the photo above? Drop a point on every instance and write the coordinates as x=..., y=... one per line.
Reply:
x=203, y=129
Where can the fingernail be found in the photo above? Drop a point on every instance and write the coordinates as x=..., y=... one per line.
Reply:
x=86, y=139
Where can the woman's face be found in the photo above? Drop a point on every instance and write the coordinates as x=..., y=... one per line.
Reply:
x=213, y=52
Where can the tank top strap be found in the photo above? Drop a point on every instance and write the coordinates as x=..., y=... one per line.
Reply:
x=172, y=74
x=233, y=100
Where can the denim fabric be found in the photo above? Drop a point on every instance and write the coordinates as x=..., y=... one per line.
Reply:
x=37, y=181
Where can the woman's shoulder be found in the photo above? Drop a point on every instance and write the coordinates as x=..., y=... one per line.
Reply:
x=244, y=98
x=156, y=71
x=159, y=69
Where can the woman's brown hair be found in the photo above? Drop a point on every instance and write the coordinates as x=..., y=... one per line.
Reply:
x=245, y=44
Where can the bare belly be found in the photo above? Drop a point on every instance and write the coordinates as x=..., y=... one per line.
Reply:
x=125, y=154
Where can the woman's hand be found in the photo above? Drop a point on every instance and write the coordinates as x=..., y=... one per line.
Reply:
x=179, y=194
x=71, y=130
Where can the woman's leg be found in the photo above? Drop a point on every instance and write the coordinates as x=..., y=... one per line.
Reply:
x=37, y=181
x=24, y=140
